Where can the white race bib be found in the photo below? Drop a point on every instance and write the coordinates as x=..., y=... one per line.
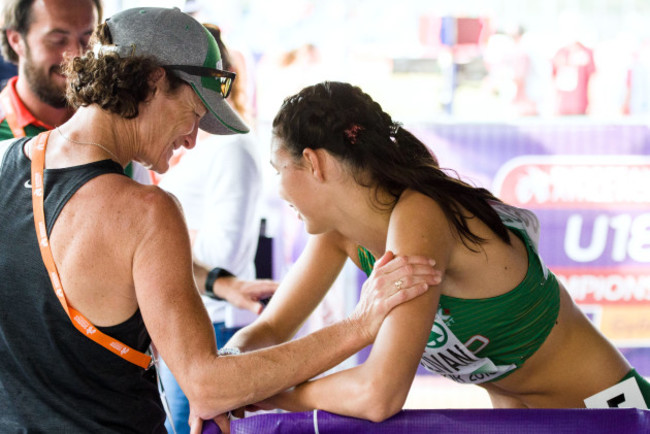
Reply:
x=446, y=355
x=625, y=394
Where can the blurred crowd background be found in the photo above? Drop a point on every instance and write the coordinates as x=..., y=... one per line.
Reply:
x=423, y=59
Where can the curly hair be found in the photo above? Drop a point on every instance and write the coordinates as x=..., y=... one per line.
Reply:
x=379, y=153
x=118, y=85
x=17, y=15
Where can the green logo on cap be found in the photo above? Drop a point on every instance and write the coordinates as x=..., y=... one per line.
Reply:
x=211, y=59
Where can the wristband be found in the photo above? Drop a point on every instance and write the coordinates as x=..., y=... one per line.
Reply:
x=229, y=351
x=213, y=275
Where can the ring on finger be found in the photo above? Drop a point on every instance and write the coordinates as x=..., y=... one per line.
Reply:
x=398, y=284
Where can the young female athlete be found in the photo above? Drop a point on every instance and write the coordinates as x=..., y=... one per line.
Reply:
x=499, y=319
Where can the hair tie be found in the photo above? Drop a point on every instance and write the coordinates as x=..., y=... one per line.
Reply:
x=352, y=132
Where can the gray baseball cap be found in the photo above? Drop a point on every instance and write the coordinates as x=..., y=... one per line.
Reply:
x=181, y=44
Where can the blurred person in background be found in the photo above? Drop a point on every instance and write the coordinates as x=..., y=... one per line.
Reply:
x=499, y=319
x=219, y=185
x=509, y=70
x=36, y=35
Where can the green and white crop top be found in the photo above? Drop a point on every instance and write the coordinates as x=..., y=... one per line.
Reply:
x=481, y=340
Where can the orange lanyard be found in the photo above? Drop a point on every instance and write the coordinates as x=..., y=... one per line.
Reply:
x=10, y=114
x=80, y=322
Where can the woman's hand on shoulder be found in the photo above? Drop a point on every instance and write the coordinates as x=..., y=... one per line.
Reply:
x=394, y=280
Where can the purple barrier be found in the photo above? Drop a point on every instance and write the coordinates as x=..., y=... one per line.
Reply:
x=210, y=427
x=483, y=421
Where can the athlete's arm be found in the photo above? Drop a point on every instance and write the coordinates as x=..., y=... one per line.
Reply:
x=378, y=388
x=299, y=293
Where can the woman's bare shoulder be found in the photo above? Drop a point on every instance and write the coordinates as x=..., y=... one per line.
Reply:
x=146, y=198
x=126, y=205
x=419, y=226
x=414, y=208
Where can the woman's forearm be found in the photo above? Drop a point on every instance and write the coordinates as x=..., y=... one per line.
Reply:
x=267, y=372
x=331, y=393
x=255, y=336
x=350, y=393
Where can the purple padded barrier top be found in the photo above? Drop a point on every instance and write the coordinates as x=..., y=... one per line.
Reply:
x=483, y=421
x=209, y=427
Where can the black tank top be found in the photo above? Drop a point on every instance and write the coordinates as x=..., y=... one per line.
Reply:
x=53, y=378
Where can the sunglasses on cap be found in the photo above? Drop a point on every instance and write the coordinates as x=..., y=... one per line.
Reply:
x=225, y=78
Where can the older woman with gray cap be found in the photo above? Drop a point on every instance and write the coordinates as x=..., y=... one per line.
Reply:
x=95, y=267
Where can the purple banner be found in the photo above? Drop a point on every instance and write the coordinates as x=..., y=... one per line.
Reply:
x=499, y=421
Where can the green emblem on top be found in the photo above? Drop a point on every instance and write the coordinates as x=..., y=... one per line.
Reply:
x=438, y=337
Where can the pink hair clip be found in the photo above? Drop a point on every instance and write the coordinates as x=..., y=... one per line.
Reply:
x=352, y=132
